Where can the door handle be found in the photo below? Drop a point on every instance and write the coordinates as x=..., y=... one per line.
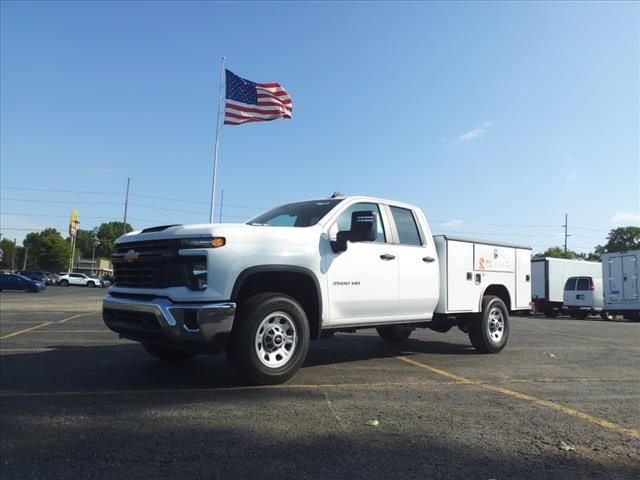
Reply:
x=428, y=259
x=387, y=256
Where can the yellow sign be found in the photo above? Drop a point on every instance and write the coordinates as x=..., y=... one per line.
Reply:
x=73, y=223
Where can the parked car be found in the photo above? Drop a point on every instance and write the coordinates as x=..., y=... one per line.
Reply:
x=583, y=297
x=78, y=279
x=13, y=281
x=106, y=282
x=52, y=278
x=38, y=276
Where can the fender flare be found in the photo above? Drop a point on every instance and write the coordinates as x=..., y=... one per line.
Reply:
x=248, y=272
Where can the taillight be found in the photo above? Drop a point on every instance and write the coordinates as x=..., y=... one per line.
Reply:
x=591, y=285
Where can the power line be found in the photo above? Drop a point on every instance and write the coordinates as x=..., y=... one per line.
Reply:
x=34, y=189
x=60, y=201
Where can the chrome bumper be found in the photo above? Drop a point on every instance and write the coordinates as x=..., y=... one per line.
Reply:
x=160, y=320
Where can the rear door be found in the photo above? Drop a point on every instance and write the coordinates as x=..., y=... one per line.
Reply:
x=630, y=278
x=569, y=297
x=418, y=281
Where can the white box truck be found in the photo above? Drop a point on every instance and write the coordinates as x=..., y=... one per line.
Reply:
x=263, y=289
x=549, y=276
x=620, y=273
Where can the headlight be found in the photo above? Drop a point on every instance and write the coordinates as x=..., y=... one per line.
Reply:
x=204, y=242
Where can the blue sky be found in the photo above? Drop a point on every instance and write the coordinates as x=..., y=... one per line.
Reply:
x=495, y=118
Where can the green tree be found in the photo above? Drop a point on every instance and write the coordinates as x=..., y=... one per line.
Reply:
x=558, y=252
x=84, y=242
x=7, y=247
x=46, y=250
x=108, y=233
x=621, y=239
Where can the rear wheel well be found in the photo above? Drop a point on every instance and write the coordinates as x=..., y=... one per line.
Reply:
x=499, y=291
x=301, y=286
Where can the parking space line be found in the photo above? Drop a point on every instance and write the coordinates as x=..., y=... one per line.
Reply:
x=43, y=324
x=523, y=396
x=509, y=392
x=25, y=330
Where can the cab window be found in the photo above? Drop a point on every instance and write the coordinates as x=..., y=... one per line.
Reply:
x=344, y=221
x=406, y=225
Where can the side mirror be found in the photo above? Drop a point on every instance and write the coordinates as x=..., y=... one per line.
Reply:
x=364, y=228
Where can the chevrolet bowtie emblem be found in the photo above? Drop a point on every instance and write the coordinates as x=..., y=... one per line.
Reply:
x=131, y=256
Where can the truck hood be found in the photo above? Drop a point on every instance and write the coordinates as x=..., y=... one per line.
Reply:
x=233, y=232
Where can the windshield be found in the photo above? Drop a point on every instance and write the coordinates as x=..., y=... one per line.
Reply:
x=299, y=214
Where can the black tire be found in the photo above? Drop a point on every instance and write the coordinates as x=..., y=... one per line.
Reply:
x=607, y=316
x=581, y=314
x=394, y=333
x=167, y=354
x=91, y=284
x=490, y=331
x=64, y=283
x=633, y=317
x=28, y=289
x=551, y=312
x=265, y=324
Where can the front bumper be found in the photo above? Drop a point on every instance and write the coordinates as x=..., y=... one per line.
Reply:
x=161, y=321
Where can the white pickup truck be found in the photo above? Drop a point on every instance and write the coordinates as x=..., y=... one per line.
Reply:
x=305, y=270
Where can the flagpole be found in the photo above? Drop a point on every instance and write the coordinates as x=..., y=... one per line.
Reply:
x=215, y=154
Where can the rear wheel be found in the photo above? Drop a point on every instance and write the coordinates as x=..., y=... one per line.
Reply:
x=633, y=317
x=551, y=312
x=394, y=333
x=489, y=333
x=582, y=314
x=270, y=340
x=167, y=354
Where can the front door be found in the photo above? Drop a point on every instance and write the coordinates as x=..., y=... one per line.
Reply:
x=363, y=280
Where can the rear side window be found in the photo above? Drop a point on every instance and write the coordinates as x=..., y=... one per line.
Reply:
x=583, y=284
x=406, y=226
x=571, y=284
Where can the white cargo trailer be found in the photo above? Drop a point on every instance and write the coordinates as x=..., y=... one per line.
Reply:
x=549, y=276
x=620, y=273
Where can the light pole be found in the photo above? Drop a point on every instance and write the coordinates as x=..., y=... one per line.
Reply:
x=93, y=255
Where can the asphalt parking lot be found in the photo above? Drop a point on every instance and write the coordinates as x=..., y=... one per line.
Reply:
x=562, y=401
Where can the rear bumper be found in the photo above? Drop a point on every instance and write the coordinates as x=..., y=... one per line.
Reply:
x=161, y=321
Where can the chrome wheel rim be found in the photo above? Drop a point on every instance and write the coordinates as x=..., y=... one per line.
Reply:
x=276, y=339
x=495, y=324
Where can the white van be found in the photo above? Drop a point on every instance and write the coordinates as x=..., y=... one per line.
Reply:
x=583, y=297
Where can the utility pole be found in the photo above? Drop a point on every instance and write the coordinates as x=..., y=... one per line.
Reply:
x=126, y=205
x=26, y=254
x=93, y=255
x=13, y=257
x=566, y=224
x=221, y=204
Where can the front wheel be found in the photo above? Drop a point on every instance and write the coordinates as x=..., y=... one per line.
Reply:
x=489, y=333
x=64, y=283
x=167, y=354
x=607, y=316
x=270, y=339
x=394, y=333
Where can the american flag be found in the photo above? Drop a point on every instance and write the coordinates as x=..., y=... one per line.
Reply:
x=249, y=101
